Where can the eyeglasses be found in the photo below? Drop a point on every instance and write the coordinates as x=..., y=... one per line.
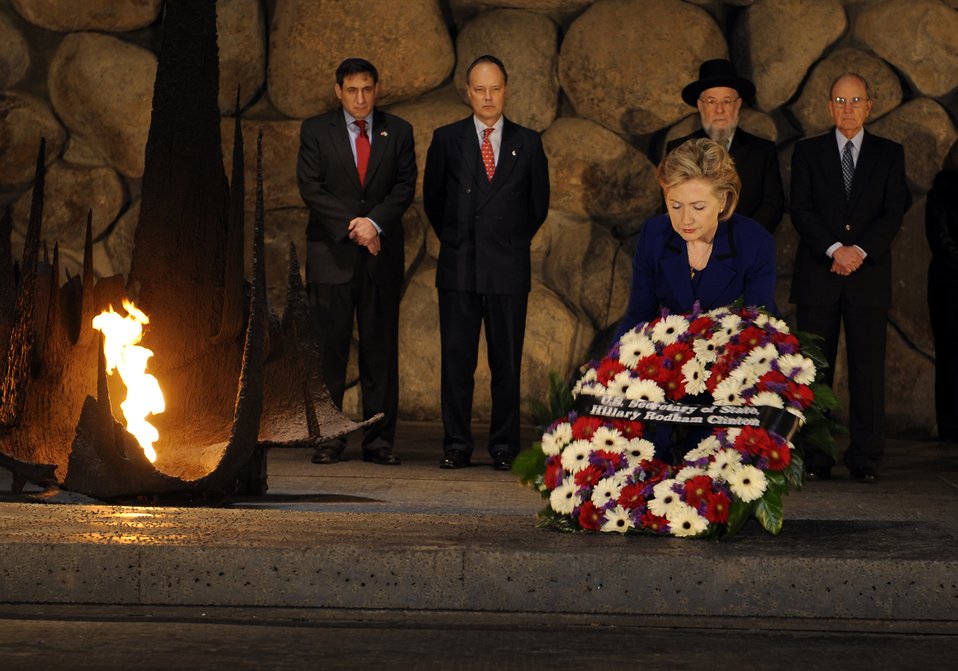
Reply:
x=714, y=102
x=855, y=102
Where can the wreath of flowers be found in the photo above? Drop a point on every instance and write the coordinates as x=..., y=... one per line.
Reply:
x=601, y=474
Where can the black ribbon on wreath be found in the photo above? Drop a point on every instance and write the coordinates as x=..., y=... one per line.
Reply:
x=772, y=419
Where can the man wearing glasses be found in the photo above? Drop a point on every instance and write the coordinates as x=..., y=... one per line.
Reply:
x=848, y=199
x=718, y=95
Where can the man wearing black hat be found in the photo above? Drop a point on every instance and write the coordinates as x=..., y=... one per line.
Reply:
x=718, y=95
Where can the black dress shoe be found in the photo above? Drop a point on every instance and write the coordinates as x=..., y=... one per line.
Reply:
x=381, y=456
x=816, y=474
x=325, y=455
x=865, y=475
x=454, y=459
x=502, y=461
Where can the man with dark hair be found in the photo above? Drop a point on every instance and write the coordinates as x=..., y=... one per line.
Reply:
x=848, y=199
x=357, y=175
x=718, y=94
x=486, y=192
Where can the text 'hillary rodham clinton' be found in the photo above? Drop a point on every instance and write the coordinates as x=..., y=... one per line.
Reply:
x=637, y=410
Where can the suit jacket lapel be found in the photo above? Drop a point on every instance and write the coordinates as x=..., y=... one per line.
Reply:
x=379, y=139
x=343, y=146
x=720, y=270
x=832, y=168
x=675, y=269
x=469, y=148
x=509, y=149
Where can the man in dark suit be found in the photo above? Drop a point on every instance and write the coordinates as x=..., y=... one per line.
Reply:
x=486, y=192
x=718, y=94
x=848, y=199
x=357, y=175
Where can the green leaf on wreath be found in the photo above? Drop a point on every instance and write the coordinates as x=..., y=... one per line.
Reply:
x=824, y=396
x=795, y=473
x=769, y=511
x=738, y=513
x=530, y=464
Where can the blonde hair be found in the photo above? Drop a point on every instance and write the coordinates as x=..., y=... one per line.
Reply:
x=705, y=160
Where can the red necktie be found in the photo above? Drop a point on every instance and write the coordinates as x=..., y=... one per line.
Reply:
x=488, y=157
x=362, y=150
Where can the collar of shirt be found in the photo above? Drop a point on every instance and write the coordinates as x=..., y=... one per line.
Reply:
x=856, y=143
x=495, y=139
x=353, y=130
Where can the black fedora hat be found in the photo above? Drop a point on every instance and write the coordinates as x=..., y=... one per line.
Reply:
x=717, y=72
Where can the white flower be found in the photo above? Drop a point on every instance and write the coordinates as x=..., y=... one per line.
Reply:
x=591, y=388
x=732, y=434
x=617, y=519
x=576, y=456
x=718, y=314
x=664, y=499
x=694, y=373
x=705, y=350
x=777, y=324
x=762, y=356
x=721, y=338
x=668, y=330
x=731, y=324
x=619, y=384
x=639, y=450
x=726, y=461
x=562, y=434
x=797, y=367
x=564, y=498
x=585, y=383
x=685, y=521
x=689, y=472
x=550, y=447
x=706, y=448
x=608, y=439
x=747, y=483
x=606, y=490
x=768, y=398
x=748, y=374
x=728, y=392
x=634, y=346
x=645, y=390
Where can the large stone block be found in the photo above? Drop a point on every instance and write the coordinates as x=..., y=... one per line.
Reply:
x=811, y=107
x=102, y=89
x=926, y=131
x=280, y=148
x=69, y=194
x=23, y=121
x=408, y=42
x=919, y=37
x=14, y=54
x=527, y=44
x=426, y=114
x=594, y=173
x=116, y=16
x=809, y=28
x=910, y=258
x=623, y=63
x=241, y=38
x=586, y=266
x=113, y=254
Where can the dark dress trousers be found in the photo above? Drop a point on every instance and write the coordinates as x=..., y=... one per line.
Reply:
x=344, y=278
x=742, y=265
x=870, y=218
x=941, y=227
x=485, y=229
x=756, y=161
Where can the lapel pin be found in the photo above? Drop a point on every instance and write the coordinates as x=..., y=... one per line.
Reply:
x=384, y=133
x=515, y=153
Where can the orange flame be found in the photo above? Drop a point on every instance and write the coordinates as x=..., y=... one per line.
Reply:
x=144, y=396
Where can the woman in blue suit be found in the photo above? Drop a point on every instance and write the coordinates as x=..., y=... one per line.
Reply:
x=700, y=250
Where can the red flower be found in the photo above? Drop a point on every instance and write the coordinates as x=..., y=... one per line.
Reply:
x=696, y=490
x=799, y=394
x=650, y=367
x=679, y=353
x=608, y=369
x=779, y=456
x=589, y=475
x=674, y=385
x=701, y=325
x=754, y=441
x=752, y=337
x=716, y=506
x=771, y=381
x=584, y=427
x=631, y=496
x=628, y=429
x=612, y=459
x=553, y=474
x=589, y=516
x=653, y=523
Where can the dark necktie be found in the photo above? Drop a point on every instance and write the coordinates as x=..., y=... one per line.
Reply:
x=848, y=167
x=362, y=150
x=488, y=157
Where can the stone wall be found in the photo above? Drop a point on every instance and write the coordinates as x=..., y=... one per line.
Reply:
x=601, y=80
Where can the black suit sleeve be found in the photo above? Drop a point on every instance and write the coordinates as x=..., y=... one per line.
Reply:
x=433, y=183
x=388, y=212
x=311, y=173
x=941, y=218
x=876, y=239
x=811, y=227
x=539, y=187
